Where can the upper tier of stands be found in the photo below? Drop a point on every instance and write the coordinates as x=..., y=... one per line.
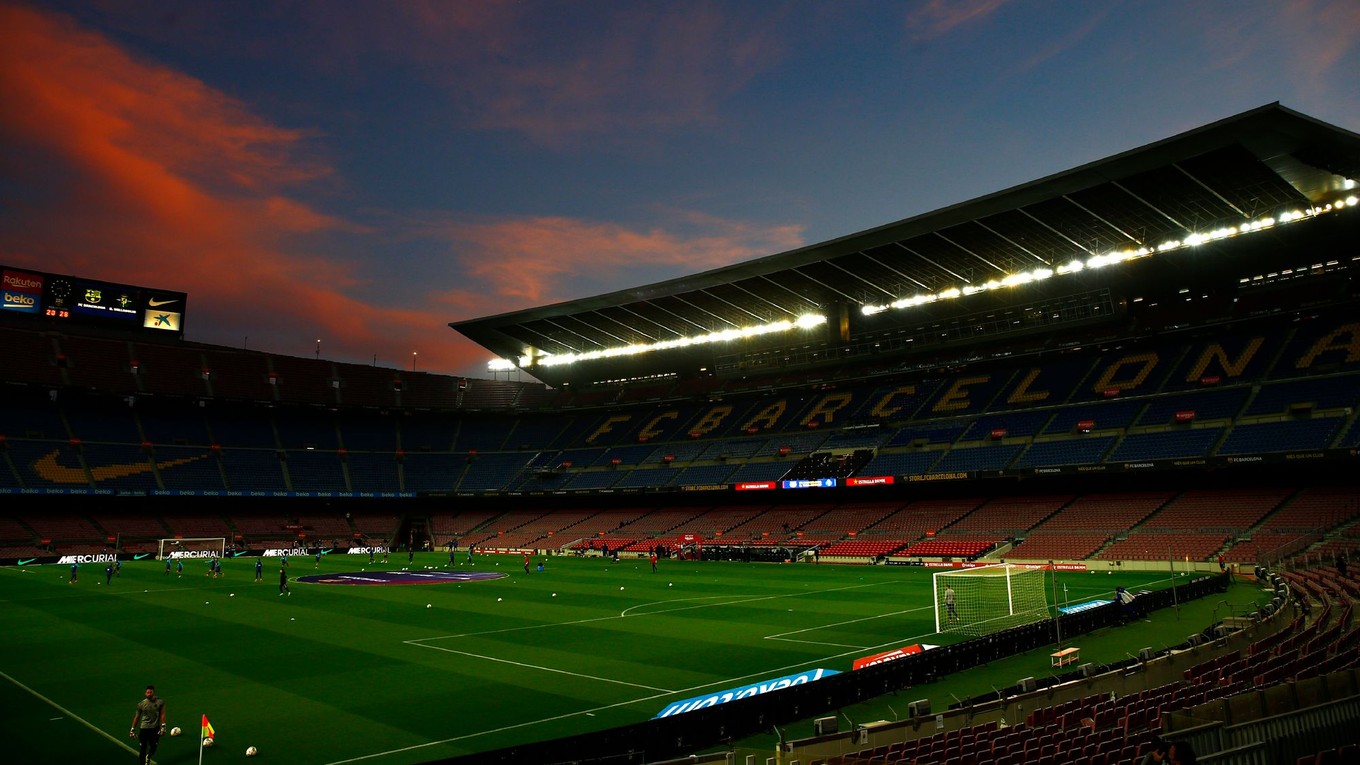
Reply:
x=129, y=416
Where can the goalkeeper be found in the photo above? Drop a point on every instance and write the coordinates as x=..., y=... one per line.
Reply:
x=148, y=723
x=949, y=611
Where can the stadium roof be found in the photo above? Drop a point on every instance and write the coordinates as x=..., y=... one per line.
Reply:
x=1227, y=173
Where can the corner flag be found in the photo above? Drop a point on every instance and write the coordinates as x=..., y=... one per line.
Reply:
x=206, y=739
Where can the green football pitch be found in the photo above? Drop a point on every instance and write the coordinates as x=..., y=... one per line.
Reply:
x=407, y=673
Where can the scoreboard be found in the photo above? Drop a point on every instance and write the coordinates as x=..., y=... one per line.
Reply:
x=59, y=299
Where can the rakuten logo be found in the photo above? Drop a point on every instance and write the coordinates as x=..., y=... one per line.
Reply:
x=22, y=282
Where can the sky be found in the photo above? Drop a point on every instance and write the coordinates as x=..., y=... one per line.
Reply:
x=343, y=179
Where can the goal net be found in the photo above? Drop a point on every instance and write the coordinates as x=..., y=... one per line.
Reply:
x=978, y=601
x=198, y=547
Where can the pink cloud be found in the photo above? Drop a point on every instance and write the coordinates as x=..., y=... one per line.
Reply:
x=1312, y=37
x=623, y=71
x=521, y=262
x=936, y=18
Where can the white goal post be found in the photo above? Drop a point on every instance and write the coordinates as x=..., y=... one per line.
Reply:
x=989, y=598
x=196, y=547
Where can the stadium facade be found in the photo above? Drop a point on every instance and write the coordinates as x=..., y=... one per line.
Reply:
x=1153, y=355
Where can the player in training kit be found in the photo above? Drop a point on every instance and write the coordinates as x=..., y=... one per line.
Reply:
x=75, y=573
x=108, y=574
x=949, y=603
x=259, y=569
x=318, y=558
x=283, y=582
x=148, y=723
x=167, y=567
x=179, y=568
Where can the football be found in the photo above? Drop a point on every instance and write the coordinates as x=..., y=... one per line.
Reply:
x=251, y=751
x=207, y=742
x=175, y=731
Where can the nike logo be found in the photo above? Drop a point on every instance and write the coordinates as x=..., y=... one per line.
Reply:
x=139, y=556
x=26, y=562
x=49, y=470
x=238, y=553
x=152, y=302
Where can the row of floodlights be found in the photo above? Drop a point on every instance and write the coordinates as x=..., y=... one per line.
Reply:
x=808, y=321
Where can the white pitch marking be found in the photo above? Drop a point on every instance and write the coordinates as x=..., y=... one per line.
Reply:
x=594, y=678
x=593, y=710
x=780, y=636
x=422, y=643
x=68, y=713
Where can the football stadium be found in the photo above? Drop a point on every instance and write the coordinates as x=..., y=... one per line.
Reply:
x=1056, y=475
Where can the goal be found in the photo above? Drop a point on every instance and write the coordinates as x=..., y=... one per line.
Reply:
x=197, y=547
x=989, y=598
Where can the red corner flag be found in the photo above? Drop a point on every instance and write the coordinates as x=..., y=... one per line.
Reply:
x=207, y=728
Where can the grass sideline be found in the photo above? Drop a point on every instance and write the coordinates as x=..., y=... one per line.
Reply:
x=368, y=674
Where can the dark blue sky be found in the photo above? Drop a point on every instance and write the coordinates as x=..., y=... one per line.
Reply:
x=365, y=172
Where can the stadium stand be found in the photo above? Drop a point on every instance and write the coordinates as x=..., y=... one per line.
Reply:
x=1099, y=420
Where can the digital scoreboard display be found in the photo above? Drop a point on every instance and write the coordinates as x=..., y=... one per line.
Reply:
x=809, y=483
x=59, y=298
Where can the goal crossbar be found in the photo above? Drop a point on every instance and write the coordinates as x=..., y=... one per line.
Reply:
x=191, y=547
x=978, y=601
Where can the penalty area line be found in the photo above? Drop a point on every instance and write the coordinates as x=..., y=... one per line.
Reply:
x=539, y=667
x=783, y=636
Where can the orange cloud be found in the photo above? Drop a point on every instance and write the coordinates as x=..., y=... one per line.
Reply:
x=141, y=174
x=123, y=169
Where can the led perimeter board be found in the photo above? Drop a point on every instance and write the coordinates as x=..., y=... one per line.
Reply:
x=59, y=299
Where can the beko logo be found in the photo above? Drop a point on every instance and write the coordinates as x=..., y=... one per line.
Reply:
x=18, y=298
